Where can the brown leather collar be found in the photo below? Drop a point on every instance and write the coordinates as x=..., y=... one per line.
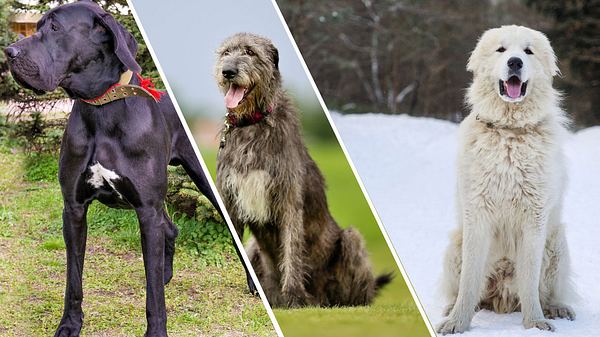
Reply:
x=122, y=90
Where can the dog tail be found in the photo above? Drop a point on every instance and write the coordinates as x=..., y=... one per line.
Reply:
x=382, y=280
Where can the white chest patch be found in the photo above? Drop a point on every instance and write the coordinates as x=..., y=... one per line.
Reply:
x=100, y=174
x=251, y=193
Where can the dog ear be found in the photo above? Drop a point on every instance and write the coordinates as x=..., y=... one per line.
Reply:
x=124, y=43
x=475, y=59
x=547, y=56
x=274, y=53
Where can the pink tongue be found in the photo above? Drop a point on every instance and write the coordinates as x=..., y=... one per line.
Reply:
x=513, y=88
x=234, y=95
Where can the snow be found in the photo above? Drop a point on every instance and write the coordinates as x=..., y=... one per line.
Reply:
x=408, y=167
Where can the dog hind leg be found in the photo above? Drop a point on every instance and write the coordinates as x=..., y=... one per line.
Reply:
x=355, y=284
x=171, y=233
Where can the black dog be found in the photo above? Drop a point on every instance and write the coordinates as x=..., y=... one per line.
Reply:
x=115, y=148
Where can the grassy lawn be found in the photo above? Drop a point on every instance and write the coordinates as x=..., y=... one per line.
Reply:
x=394, y=312
x=203, y=299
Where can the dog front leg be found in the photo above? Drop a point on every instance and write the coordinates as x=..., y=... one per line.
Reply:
x=74, y=233
x=528, y=268
x=152, y=230
x=475, y=251
x=291, y=265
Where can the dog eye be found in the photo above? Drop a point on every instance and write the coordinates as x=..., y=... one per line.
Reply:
x=226, y=52
x=249, y=52
x=528, y=51
x=501, y=50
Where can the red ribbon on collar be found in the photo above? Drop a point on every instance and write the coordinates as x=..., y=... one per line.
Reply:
x=147, y=84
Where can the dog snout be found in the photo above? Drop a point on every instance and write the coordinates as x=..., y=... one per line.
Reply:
x=11, y=52
x=515, y=63
x=229, y=72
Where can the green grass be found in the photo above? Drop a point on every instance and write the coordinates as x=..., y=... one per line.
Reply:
x=202, y=299
x=394, y=312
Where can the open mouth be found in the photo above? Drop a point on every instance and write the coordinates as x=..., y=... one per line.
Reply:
x=513, y=87
x=235, y=95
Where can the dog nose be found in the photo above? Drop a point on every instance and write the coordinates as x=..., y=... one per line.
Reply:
x=11, y=52
x=229, y=73
x=515, y=63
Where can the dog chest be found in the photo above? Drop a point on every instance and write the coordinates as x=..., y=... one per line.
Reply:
x=250, y=193
x=508, y=171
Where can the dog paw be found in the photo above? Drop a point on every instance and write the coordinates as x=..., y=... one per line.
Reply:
x=251, y=286
x=295, y=301
x=148, y=334
x=539, y=324
x=452, y=326
x=554, y=311
x=65, y=330
x=161, y=333
x=69, y=326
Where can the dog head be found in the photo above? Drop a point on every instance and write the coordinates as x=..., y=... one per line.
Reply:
x=515, y=60
x=247, y=72
x=77, y=46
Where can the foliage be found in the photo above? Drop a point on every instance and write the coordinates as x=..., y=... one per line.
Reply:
x=201, y=228
x=409, y=56
x=8, y=86
x=42, y=167
x=38, y=134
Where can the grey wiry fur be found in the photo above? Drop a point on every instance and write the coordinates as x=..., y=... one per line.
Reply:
x=270, y=183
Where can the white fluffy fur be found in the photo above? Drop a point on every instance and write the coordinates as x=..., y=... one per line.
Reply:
x=252, y=195
x=509, y=252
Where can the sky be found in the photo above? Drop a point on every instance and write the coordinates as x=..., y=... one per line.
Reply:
x=194, y=29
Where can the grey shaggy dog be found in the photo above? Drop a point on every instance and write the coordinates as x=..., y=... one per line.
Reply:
x=270, y=183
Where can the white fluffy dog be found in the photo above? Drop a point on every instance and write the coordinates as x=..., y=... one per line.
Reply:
x=510, y=251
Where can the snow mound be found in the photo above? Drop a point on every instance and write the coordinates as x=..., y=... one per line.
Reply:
x=408, y=166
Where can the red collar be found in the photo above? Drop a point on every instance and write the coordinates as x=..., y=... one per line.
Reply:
x=246, y=120
x=232, y=122
x=123, y=89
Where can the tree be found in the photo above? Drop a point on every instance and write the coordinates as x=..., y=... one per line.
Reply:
x=8, y=87
x=576, y=39
x=409, y=56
